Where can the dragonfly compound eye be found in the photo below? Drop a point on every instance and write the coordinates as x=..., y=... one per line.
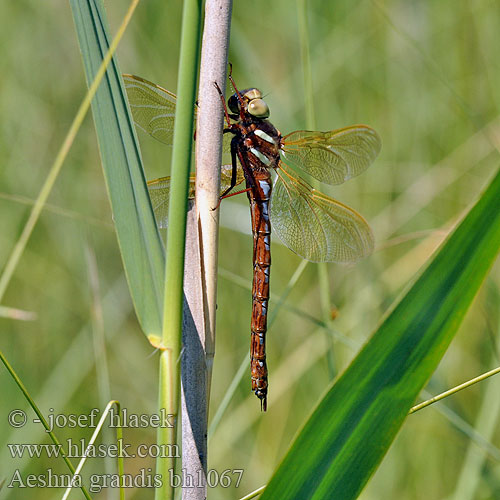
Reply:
x=234, y=104
x=258, y=108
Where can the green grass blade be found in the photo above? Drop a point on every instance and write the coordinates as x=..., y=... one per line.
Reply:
x=348, y=434
x=140, y=243
x=176, y=238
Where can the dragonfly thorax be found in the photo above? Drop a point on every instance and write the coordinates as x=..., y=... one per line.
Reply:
x=262, y=142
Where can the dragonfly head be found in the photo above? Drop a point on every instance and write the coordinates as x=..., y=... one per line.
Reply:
x=252, y=102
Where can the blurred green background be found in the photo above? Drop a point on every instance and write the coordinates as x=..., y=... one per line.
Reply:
x=425, y=75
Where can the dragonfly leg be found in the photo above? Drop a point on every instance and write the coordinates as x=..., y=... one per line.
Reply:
x=221, y=95
x=226, y=194
x=234, y=194
x=237, y=92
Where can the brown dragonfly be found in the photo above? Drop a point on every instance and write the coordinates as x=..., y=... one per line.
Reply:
x=310, y=223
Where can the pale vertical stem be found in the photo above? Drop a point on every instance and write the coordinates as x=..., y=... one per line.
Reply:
x=193, y=370
x=201, y=251
x=208, y=156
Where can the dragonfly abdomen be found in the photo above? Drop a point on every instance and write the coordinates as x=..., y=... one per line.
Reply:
x=261, y=228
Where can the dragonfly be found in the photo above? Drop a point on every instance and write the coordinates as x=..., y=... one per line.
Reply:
x=310, y=223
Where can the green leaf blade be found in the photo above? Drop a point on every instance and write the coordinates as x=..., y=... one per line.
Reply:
x=348, y=434
x=138, y=237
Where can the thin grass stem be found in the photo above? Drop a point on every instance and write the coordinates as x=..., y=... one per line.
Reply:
x=90, y=446
x=17, y=314
x=454, y=390
x=322, y=267
x=176, y=236
x=254, y=494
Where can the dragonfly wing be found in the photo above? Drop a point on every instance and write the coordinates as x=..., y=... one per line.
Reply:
x=153, y=109
x=315, y=226
x=152, y=106
x=225, y=176
x=333, y=157
x=159, y=192
x=226, y=148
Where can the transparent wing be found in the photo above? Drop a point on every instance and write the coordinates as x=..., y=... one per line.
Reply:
x=315, y=226
x=226, y=148
x=333, y=157
x=152, y=106
x=225, y=176
x=159, y=192
x=153, y=109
